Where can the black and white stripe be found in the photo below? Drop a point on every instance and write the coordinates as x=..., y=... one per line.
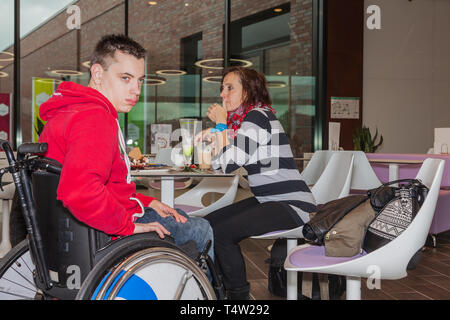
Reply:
x=262, y=148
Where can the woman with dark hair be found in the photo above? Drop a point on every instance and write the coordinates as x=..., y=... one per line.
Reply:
x=248, y=135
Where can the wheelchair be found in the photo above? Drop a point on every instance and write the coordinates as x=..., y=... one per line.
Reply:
x=62, y=258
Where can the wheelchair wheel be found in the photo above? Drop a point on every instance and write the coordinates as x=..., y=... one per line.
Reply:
x=157, y=271
x=16, y=274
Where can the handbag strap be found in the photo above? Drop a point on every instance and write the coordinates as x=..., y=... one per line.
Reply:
x=411, y=181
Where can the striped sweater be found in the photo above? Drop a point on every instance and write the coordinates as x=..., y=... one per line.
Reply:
x=262, y=148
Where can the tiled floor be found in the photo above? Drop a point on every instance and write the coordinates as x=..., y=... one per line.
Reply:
x=429, y=281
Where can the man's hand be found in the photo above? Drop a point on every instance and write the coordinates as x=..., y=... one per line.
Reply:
x=149, y=227
x=165, y=211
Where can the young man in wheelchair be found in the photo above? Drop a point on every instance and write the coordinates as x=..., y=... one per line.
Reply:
x=83, y=134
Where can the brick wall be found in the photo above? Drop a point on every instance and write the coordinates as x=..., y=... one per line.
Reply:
x=159, y=29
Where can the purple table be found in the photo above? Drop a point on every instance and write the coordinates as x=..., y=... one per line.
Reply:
x=441, y=219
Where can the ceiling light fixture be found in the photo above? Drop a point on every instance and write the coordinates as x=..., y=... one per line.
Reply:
x=72, y=73
x=171, y=72
x=213, y=79
x=201, y=63
x=154, y=81
x=86, y=64
x=8, y=54
x=152, y=3
x=3, y=74
x=49, y=81
x=276, y=84
x=278, y=10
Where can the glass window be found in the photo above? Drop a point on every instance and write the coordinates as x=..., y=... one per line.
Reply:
x=57, y=40
x=278, y=42
x=178, y=36
x=185, y=43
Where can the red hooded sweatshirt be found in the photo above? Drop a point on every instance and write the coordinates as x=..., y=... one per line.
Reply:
x=83, y=134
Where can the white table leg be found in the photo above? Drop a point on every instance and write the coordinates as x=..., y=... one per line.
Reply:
x=353, y=288
x=393, y=173
x=167, y=191
x=291, y=276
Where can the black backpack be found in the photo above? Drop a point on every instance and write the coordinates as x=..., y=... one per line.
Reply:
x=277, y=276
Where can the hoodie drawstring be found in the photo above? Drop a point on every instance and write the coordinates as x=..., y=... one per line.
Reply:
x=127, y=162
x=125, y=156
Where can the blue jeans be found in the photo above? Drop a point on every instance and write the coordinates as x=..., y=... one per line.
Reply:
x=195, y=228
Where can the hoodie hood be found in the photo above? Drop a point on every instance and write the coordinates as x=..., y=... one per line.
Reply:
x=69, y=96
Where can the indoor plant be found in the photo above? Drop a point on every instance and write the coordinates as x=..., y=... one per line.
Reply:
x=362, y=140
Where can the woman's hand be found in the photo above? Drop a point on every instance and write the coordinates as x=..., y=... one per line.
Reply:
x=165, y=211
x=150, y=227
x=217, y=113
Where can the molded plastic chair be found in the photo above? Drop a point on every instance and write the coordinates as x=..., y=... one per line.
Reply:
x=6, y=196
x=363, y=177
x=315, y=167
x=334, y=183
x=387, y=262
x=191, y=201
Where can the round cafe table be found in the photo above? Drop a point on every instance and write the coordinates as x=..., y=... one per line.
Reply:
x=168, y=176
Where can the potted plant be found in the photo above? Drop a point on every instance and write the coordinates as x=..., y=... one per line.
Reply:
x=362, y=140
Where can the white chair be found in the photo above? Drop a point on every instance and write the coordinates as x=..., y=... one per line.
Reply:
x=6, y=196
x=363, y=177
x=315, y=167
x=387, y=262
x=191, y=200
x=333, y=183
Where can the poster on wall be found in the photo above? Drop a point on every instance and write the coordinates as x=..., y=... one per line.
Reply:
x=5, y=115
x=43, y=88
x=344, y=108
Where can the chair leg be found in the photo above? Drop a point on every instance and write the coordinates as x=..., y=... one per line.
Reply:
x=291, y=276
x=353, y=288
x=5, y=245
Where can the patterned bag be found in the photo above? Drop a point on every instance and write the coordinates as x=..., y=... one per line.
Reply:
x=396, y=207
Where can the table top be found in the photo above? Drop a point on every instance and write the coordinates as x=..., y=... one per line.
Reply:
x=179, y=174
x=397, y=161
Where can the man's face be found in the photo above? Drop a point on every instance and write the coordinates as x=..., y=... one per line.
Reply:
x=121, y=82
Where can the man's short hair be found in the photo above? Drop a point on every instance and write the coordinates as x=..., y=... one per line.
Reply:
x=109, y=44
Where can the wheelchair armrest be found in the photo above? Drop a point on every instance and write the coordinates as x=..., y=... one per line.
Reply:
x=135, y=239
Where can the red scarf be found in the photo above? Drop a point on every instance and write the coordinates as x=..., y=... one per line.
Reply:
x=236, y=117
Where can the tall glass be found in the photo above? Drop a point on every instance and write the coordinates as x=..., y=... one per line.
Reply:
x=188, y=128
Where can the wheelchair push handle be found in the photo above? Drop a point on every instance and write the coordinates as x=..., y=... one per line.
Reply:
x=32, y=148
x=6, y=146
x=22, y=150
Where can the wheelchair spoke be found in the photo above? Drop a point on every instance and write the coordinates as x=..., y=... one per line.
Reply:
x=17, y=295
x=187, y=275
x=23, y=277
x=20, y=285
